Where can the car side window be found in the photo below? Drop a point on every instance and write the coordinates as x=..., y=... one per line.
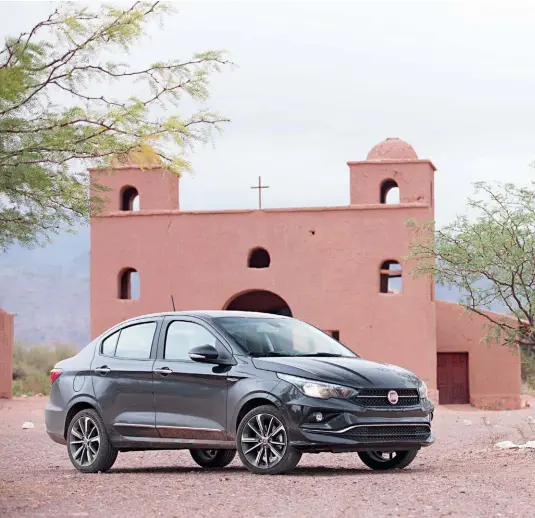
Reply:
x=181, y=337
x=109, y=344
x=135, y=342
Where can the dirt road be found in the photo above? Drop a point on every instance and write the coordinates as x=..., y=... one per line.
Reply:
x=461, y=475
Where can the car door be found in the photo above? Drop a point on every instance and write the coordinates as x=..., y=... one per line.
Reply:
x=189, y=397
x=122, y=378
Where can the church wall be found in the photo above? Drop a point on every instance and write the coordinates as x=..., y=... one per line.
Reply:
x=324, y=263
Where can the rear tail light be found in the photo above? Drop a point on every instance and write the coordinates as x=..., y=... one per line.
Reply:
x=55, y=374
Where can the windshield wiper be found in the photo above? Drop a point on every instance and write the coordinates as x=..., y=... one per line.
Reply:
x=326, y=355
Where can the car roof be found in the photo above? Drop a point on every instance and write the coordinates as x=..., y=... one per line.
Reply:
x=207, y=314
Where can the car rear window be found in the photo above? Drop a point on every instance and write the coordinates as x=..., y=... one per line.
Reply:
x=109, y=344
x=135, y=342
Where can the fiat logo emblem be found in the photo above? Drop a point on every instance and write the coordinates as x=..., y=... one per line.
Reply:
x=393, y=397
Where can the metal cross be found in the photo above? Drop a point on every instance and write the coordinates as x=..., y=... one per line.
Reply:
x=260, y=187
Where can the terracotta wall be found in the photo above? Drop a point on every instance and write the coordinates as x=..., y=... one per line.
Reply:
x=494, y=370
x=6, y=354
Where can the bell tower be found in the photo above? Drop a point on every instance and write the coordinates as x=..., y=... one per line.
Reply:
x=387, y=189
x=132, y=188
x=390, y=165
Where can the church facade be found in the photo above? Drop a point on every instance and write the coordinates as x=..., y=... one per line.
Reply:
x=339, y=268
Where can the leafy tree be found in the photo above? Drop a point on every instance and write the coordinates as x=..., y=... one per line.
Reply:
x=489, y=255
x=58, y=115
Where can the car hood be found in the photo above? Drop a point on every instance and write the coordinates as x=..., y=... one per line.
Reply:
x=348, y=371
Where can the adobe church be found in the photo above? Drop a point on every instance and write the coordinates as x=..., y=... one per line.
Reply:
x=339, y=268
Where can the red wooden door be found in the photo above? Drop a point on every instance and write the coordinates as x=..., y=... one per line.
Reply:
x=452, y=378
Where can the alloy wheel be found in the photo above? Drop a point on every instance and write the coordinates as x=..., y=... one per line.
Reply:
x=207, y=455
x=264, y=441
x=84, y=441
x=382, y=456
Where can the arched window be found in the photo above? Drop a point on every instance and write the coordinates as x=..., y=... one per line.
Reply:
x=389, y=192
x=129, y=284
x=259, y=258
x=129, y=198
x=390, y=277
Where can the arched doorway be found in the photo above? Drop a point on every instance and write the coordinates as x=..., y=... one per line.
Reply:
x=259, y=300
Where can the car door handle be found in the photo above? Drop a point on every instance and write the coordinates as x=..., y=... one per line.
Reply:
x=164, y=371
x=103, y=370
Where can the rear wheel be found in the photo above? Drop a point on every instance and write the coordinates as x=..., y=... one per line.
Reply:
x=213, y=458
x=379, y=460
x=88, y=444
x=263, y=442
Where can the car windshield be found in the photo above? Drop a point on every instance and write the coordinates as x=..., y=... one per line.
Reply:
x=280, y=337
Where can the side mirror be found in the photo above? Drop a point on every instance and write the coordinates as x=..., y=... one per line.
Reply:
x=204, y=353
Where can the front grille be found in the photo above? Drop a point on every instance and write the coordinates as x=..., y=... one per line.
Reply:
x=379, y=398
x=386, y=433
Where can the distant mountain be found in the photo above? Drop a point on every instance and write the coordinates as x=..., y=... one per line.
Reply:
x=48, y=290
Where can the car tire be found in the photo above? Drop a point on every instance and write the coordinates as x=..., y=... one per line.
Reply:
x=264, y=448
x=213, y=458
x=88, y=444
x=379, y=461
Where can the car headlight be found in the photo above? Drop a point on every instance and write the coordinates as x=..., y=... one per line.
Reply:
x=317, y=389
x=422, y=391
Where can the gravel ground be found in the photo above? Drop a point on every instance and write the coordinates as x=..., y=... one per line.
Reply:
x=462, y=474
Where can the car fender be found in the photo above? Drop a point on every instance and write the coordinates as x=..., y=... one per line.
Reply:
x=256, y=394
x=83, y=398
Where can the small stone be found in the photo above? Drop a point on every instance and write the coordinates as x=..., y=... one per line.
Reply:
x=27, y=425
x=506, y=445
x=467, y=422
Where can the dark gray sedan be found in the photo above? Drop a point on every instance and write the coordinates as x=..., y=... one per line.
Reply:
x=216, y=382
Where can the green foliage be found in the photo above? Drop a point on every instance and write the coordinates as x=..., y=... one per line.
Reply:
x=57, y=117
x=489, y=256
x=32, y=366
x=527, y=364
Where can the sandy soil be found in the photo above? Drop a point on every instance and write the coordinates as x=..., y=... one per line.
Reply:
x=461, y=475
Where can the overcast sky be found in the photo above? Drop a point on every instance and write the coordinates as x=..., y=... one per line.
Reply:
x=319, y=83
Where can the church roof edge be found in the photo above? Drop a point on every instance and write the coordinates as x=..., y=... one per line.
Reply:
x=374, y=206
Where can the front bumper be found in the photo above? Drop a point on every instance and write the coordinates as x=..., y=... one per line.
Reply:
x=349, y=427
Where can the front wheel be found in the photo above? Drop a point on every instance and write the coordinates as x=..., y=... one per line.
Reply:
x=379, y=460
x=213, y=458
x=263, y=442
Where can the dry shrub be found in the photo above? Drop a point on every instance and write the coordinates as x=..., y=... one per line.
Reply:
x=32, y=366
